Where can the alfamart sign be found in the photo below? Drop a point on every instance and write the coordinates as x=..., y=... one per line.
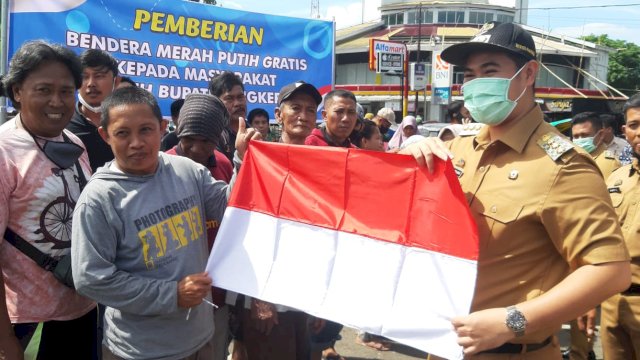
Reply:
x=385, y=56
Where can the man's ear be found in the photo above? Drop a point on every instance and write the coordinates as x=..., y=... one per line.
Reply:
x=531, y=72
x=278, y=114
x=104, y=134
x=16, y=93
x=163, y=125
x=116, y=81
x=324, y=115
x=598, y=138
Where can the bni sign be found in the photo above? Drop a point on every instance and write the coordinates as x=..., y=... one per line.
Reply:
x=440, y=80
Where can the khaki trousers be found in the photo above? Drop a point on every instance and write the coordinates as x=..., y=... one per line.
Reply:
x=620, y=328
x=580, y=346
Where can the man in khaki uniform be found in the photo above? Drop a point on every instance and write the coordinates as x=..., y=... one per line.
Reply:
x=620, y=322
x=619, y=147
x=585, y=128
x=549, y=250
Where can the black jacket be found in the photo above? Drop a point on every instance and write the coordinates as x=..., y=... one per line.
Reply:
x=98, y=150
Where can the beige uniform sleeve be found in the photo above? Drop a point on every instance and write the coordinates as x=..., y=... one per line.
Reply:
x=579, y=217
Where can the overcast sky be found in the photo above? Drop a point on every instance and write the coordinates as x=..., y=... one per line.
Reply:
x=617, y=22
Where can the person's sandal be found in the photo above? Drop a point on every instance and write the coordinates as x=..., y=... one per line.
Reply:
x=334, y=356
x=369, y=341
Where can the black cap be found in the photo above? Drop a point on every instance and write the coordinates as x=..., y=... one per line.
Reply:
x=296, y=88
x=507, y=37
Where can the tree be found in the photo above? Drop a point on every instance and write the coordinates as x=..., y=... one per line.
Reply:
x=624, y=63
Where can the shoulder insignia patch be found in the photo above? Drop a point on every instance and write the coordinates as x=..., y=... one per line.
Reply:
x=471, y=129
x=608, y=154
x=554, y=145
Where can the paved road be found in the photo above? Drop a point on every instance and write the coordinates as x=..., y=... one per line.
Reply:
x=348, y=348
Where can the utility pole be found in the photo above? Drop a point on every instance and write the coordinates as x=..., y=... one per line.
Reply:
x=315, y=9
x=418, y=54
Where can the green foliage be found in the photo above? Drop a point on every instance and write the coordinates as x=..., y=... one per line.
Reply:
x=624, y=63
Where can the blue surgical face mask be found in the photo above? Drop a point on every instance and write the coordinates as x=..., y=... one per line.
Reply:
x=586, y=143
x=487, y=99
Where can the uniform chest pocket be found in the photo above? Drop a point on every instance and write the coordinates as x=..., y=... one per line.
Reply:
x=616, y=198
x=501, y=212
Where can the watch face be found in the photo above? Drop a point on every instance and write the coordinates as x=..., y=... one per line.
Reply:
x=516, y=321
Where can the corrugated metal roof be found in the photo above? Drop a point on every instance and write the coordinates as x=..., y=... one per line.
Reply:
x=362, y=43
x=548, y=46
x=544, y=44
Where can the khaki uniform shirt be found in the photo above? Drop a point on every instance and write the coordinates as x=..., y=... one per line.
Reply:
x=541, y=207
x=624, y=189
x=605, y=159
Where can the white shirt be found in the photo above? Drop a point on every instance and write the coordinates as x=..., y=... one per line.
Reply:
x=617, y=145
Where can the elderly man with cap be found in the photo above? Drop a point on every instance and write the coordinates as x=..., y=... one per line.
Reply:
x=272, y=331
x=297, y=111
x=550, y=246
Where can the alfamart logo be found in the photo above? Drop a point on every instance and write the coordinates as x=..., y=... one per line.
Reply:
x=389, y=48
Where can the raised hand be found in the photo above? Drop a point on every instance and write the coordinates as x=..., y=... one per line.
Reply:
x=244, y=136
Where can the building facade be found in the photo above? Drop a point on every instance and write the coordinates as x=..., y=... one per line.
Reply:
x=572, y=73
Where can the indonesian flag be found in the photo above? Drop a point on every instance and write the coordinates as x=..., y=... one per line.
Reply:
x=367, y=239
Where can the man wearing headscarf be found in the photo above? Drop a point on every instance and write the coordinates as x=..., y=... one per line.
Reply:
x=202, y=120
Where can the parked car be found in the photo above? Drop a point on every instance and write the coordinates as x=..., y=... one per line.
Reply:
x=430, y=129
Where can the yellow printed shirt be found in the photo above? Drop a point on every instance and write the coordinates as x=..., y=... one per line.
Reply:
x=541, y=207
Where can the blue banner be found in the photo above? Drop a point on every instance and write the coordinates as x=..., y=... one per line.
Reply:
x=172, y=48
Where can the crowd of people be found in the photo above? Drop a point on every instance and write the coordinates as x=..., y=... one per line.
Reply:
x=108, y=219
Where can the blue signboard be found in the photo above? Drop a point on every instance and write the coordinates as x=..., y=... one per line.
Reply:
x=172, y=48
x=441, y=95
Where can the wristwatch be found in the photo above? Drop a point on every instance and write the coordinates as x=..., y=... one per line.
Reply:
x=516, y=321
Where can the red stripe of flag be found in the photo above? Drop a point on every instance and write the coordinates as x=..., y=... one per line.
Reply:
x=373, y=194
